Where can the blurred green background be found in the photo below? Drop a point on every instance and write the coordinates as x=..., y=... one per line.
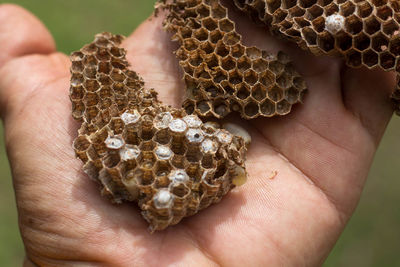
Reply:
x=372, y=238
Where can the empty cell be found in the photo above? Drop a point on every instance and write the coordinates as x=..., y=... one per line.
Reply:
x=384, y=12
x=283, y=107
x=237, y=50
x=243, y=63
x=209, y=23
x=370, y=58
x=353, y=58
x=372, y=25
x=353, y=24
x=231, y=38
x=380, y=42
x=226, y=25
x=222, y=50
x=362, y=42
x=394, y=46
x=259, y=92
x=215, y=36
x=347, y=8
x=310, y=36
x=251, y=109
x=267, y=108
x=228, y=63
x=343, y=41
x=275, y=94
x=203, y=11
x=250, y=77
x=218, y=12
x=253, y=53
x=201, y=34
x=387, y=61
x=243, y=92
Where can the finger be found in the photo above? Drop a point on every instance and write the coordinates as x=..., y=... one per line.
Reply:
x=21, y=33
x=367, y=95
x=150, y=52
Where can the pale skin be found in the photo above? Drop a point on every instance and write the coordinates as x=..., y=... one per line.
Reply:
x=306, y=170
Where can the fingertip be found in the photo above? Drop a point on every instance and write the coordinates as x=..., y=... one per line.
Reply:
x=21, y=33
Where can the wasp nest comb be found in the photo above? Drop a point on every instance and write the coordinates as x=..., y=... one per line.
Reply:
x=365, y=33
x=170, y=163
x=223, y=75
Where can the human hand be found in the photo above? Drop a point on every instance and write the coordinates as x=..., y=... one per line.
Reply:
x=321, y=153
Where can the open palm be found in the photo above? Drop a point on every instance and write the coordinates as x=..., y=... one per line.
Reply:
x=306, y=170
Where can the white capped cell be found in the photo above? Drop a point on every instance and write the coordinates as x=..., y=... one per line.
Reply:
x=129, y=152
x=192, y=121
x=194, y=135
x=163, y=120
x=178, y=176
x=224, y=136
x=114, y=142
x=177, y=126
x=163, y=199
x=334, y=23
x=130, y=117
x=209, y=146
x=163, y=152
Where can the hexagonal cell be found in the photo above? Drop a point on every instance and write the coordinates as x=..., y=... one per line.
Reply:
x=180, y=190
x=362, y=42
x=331, y=9
x=210, y=24
x=203, y=107
x=310, y=36
x=314, y=12
x=77, y=66
x=370, y=58
x=259, y=65
x=185, y=32
x=211, y=61
x=228, y=89
x=267, y=108
x=213, y=90
x=202, y=72
x=237, y=50
x=221, y=108
x=91, y=113
x=253, y=53
x=207, y=47
x=390, y=27
x=231, y=38
x=275, y=94
x=267, y=78
x=288, y=3
x=190, y=44
x=387, y=61
x=203, y=10
x=347, y=8
x=384, y=12
x=221, y=50
x=195, y=60
x=104, y=80
x=292, y=95
x=284, y=80
x=307, y=3
x=259, y=92
x=228, y=63
x=76, y=92
x=90, y=72
x=353, y=24
x=250, y=77
x=162, y=136
x=218, y=12
x=243, y=64
x=143, y=176
x=394, y=46
x=353, y=59
x=243, y=92
x=364, y=9
x=372, y=25
x=283, y=107
x=219, y=75
x=193, y=154
x=178, y=161
x=81, y=143
x=90, y=61
x=326, y=42
x=104, y=67
x=235, y=77
x=276, y=67
x=226, y=25
x=343, y=41
x=251, y=109
x=380, y=42
x=215, y=36
x=201, y=34
x=111, y=160
x=319, y=24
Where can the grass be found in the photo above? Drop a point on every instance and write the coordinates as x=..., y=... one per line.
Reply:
x=372, y=237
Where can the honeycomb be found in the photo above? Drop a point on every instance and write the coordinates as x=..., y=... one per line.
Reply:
x=139, y=150
x=220, y=73
x=365, y=33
